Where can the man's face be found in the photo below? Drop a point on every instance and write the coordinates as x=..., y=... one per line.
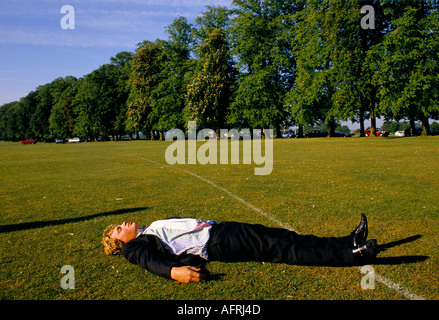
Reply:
x=125, y=231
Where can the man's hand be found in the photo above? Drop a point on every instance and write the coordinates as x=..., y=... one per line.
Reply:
x=187, y=274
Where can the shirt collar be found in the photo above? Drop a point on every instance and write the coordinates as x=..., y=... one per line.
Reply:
x=141, y=230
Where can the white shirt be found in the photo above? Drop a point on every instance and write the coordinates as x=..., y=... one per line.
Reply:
x=182, y=235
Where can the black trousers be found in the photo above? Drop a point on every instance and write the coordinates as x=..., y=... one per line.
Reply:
x=233, y=241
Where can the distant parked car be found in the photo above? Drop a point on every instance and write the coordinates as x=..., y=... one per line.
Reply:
x=378, y=132
x=288, y=134
x=399, y=134
x=74, y=140
x=316, y=133
x=433, y=132
x=342, y=134
x=418, y=132
x=60, y=140
x=28, y=141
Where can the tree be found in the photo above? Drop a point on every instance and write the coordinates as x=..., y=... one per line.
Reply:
x=216, y=17
x=167, y=107
x=8, y=121
x=147, y=66
x=121, y=73
x=101, y=96
x=335, y=63
x=209, y=94
x=39, y=122
x=369, y=57
x=408, y=74
x=264, y=60
x=353, y=63
x=62, y=116
x=346, y=56
x=310, y=99
x=19, y=123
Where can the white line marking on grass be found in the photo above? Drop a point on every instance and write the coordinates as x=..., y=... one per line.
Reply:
x=398, y=288
x=387, y=282
x=260, y=211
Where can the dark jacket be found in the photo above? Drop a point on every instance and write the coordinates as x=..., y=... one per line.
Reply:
x=148, y=252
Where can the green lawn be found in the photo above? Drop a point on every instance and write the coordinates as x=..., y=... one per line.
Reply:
x=55, y=200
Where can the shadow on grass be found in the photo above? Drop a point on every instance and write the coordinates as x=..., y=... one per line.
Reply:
x=384, y=247
x=400, y=259
x=41, y=224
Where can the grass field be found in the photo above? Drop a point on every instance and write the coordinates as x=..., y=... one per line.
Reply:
x=55, y=200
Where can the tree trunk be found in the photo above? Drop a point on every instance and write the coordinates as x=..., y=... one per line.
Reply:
x=425, y=125
x=278, y=131
x=300, y=134
x=373, y=121
x=331, y=127
x=412, y=126
x=362, y=134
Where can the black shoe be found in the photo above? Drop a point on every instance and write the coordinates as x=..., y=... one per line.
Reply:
x=365, y=251
x=359, y=235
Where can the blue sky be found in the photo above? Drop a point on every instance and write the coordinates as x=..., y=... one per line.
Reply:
x=35, y=49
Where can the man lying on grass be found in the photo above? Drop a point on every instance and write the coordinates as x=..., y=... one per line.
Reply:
x=179, y=249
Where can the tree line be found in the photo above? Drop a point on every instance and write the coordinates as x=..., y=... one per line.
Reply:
x=259, y=64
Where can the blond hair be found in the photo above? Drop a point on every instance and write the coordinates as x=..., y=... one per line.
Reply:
x=111, y=245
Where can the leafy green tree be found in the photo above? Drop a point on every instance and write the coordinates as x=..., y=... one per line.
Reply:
x=62, y=116
x=46, y=98
x=264, y=59
x=408, y=75
x=346, y=57
x=335, y=63
x=209, y=94
x=20, y=122
x=121, y=74
x=8, y=121
x=39, y=121
x=167, y=107
x=101, y=100
x=146, y=69
x=86, y=109
x=369, y=58
x=310, y=99
x=215, y=17
x=97, y=103
x=353, y=67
